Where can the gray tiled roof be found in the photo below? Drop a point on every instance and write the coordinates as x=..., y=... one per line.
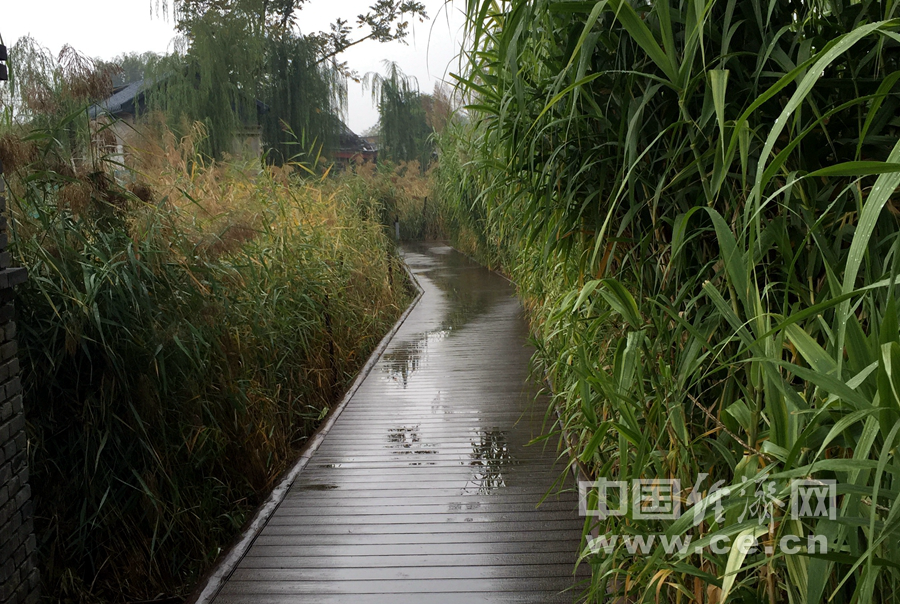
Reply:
x=122, y=101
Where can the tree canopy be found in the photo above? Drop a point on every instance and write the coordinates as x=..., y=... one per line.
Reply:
x=246, y=60
x=403, y=120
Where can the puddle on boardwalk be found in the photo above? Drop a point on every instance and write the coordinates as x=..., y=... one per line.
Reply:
x=401, y=362
x=489, y=459
x=404, y=437
x=467, y=292
x=463, y=506
x=406, y=358
x=406, y=441
x=491, y=450
x=440, y=405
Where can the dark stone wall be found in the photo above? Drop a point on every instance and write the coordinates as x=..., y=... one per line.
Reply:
x=18, y=575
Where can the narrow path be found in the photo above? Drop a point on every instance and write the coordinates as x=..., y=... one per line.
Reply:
x=424, y=490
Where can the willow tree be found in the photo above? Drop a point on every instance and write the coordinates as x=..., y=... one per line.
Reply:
x=403, y=124
x=211, y=78
x=302, y=93
x=245, y=60
x=48, y=93
x=44, y=87
x=132, y=66
x=273, y=81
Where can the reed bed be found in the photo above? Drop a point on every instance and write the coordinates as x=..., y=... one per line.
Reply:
x=400, y=193
x=699, y=202
x=185, y=326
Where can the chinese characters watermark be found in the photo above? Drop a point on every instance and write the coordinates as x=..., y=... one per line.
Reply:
x=663, y=499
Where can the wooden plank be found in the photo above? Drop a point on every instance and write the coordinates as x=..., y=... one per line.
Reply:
x=533, y=597
x=400, y=586
x=356, y=538
x=349, y=526
x=471, y=517
x=299, y=507
x=487, y=484
x=285, y=546
x=334, y=501
x=415, y=572
x=488, y=560
x=392, y=474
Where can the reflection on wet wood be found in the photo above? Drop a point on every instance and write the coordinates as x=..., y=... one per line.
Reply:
x=425, y=489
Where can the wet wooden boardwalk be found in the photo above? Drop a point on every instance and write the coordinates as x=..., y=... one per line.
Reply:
x=424, y=491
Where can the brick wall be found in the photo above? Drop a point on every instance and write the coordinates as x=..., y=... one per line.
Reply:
x=18, y=575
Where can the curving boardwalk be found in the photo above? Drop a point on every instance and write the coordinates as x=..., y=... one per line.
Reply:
x=424, y=491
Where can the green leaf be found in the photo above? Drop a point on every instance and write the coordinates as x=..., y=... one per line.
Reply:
x=586, y=291
x=622, y=302
x=889, y=385
x=718, y=83
x=831, y=52
x=736, y=559
x=810, y=350
x=641, y=34
x=881, y=192
x=856, y=168
x=741, y=412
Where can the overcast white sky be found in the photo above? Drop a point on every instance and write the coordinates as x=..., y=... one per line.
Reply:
x=106, y=28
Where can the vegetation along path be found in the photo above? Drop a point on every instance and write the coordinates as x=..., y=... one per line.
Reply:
x=425, y=488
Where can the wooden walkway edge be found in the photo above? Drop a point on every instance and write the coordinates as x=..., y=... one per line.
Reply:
x=421, y=486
